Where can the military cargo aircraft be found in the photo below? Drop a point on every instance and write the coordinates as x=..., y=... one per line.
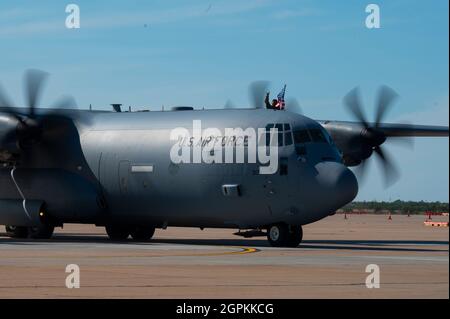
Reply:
x=116, y=169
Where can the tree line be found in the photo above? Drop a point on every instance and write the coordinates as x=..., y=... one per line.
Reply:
x=397, y=206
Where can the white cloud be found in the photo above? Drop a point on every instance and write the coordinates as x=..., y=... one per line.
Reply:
x=129, y=19
x=286, y=14
x=32, y=28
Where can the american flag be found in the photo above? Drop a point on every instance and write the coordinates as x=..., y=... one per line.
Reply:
x=280, y=96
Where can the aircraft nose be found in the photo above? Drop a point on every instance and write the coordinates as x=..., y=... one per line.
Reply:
x=338, y=183
x=347, y=185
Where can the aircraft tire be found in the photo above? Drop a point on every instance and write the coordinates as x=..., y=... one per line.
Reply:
x=278, y=235
x=142, y=233
x=295, y=236
x=42, y=231
x=16, y=231
x=117, y=232
x=283, y=235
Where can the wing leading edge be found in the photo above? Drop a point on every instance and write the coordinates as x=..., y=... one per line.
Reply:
x=392, y=130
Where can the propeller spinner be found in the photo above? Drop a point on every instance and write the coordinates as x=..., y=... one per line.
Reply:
x=27, y=127
x=371, y=136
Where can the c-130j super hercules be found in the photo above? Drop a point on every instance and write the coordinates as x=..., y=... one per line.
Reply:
x=114, y=169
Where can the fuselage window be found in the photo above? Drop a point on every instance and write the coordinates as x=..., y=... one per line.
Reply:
x=301, y=137
x=288, y=138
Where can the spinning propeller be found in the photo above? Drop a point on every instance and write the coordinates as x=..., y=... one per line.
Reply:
x=257, y=92
x=26, y=127
x=372, y=137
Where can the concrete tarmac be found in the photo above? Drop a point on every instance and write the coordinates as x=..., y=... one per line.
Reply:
x=189, y=263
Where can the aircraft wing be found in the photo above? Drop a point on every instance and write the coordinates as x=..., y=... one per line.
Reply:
x=388, y=129
x=357, y=142
x=413, y=130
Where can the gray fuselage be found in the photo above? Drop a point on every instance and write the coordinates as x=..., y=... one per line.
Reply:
x=310, y=186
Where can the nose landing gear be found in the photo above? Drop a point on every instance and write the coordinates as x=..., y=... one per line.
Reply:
x=283, y=235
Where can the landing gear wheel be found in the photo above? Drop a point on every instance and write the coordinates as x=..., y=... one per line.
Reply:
x=142, y=233
x=295, y=236
x=16, y=231
x=116, y=232
x=42, y=231
x=282, y=235
x=278, y=235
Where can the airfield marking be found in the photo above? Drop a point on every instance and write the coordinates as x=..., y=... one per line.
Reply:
x=241, y=251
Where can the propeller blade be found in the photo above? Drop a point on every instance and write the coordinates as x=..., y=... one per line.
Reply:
x=9, y=122
x=34, y=81
x=361, y=169
x=257, y=91
x=6, y=104
x=293, y=106
x=54, y=128
x=65, y=102
x=8, y=137
x=406, y=141
x=390, y=171
x=229, y=105
x=386, y=97
x=353, y=102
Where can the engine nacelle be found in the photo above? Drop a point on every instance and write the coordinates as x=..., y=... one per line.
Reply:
x=21, y=213
x=64, y=196
x=351, y=140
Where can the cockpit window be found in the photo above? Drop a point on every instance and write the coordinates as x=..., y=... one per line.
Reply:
x=288, y=138
x=301, y=137
x=279, y=137
x=318, y=136
x=279, y=127
x=283, y=130
x=327, y=136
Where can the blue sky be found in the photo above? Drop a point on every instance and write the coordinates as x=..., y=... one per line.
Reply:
x=201, y=53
